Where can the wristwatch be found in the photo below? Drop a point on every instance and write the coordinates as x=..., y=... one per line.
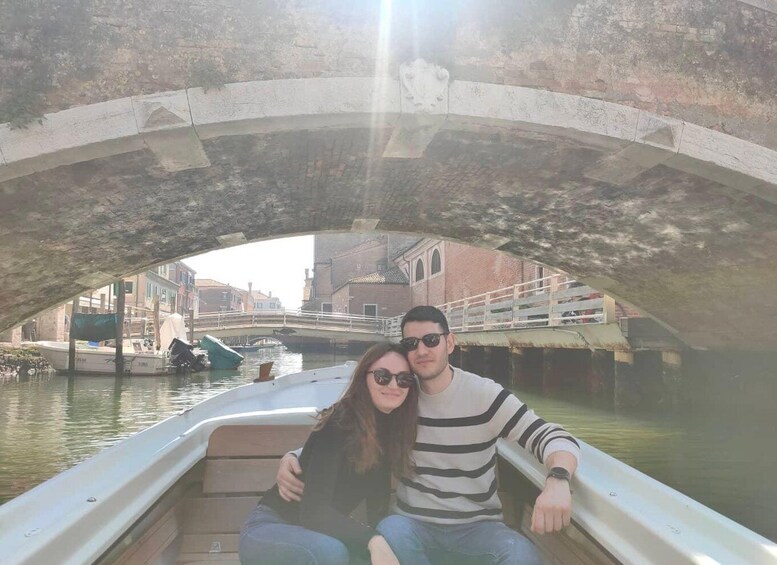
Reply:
x=560, y=473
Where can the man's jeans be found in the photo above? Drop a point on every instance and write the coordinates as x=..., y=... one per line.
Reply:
x=420, y=543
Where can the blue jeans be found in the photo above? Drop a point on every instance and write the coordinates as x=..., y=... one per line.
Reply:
x=488, y=541
x=267, y=538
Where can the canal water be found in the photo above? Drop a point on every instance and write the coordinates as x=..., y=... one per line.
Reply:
x=724, y=459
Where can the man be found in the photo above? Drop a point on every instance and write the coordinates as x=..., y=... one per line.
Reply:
x=449, y=506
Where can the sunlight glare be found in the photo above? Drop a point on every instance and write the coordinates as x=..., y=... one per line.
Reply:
x=381, y=85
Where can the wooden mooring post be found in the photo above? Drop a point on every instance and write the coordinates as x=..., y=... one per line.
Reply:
x=71, y=353
x=120, y=327
x=191, y=326
x=157, y=338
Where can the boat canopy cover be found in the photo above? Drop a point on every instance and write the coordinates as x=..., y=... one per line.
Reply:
x=172, y=328
x=93, y=327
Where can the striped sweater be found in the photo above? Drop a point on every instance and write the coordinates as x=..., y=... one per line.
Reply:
x=455, y=457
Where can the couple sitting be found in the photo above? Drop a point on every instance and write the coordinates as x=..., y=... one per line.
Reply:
x=407, y=412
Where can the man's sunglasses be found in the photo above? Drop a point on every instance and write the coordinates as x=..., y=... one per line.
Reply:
x=383, y=377
x=430, y=340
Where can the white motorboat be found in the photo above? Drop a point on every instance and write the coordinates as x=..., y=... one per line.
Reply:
x=138, y=358
x=179, y=491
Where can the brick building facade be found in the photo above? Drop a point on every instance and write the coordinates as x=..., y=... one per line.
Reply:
x=219, y=297
x=340, y=258
x=383, y=294
x=183, y=274
x=443, y=271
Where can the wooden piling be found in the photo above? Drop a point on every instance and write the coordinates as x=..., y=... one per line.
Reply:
x=157, y=337
x=120, y=328
x=71, y=354
x=191, y=326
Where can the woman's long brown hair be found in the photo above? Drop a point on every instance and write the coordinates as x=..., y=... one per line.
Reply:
x=355, y=413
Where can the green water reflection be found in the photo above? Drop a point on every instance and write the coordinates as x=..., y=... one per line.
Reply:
x=723, y=458
x=50, y=422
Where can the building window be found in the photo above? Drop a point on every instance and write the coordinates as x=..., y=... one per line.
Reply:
x=419, y=271
x=371, y=310
x=326, y=307
x=148, y=289
x=436, y=262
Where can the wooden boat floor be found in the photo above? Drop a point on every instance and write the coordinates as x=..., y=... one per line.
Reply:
x=200, y=519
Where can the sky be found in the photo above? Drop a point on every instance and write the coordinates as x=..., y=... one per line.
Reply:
x=277, y=266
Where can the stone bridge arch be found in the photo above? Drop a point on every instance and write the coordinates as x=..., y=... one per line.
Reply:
x=673, y=217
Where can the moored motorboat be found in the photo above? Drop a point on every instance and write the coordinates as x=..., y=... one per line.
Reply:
x=179, y=491
x=264, y=343
x=139, y=359
x=220, y=355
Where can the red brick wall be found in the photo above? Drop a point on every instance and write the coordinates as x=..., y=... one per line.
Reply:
x=358, y=263
x=392, y=299
x=467, y=271
x=471, y=271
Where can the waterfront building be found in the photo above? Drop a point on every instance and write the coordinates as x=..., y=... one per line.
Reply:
x=188, y=298
x=141, y=290
x=444, y=271
x=383, y=294
x=257, y=301
x=340, y=258
x=216, y=296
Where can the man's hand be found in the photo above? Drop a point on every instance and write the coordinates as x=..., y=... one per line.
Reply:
x=553, y=509
x=289, y=486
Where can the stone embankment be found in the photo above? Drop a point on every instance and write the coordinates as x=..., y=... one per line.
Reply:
x=16, y=361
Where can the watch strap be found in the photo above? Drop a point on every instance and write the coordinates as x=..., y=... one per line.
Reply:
x=560, y=473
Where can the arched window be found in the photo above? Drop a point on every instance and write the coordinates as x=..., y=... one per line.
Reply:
x=419, y=271
x=436, y=262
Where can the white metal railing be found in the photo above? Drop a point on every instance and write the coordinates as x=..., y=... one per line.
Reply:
x=281, y=318
x=547, y=301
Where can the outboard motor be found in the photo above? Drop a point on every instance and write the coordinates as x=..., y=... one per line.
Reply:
x=183, y=357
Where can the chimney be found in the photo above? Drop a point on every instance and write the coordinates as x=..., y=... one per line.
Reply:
x=271, y=294
x=250, y=284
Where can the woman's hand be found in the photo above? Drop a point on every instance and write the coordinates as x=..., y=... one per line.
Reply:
x=380, y=552
x=289, y=486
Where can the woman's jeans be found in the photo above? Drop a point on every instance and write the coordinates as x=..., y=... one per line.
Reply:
x=267, y=538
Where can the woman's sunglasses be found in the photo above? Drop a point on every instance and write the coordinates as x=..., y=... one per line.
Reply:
x=430, y=340
x=383, y=377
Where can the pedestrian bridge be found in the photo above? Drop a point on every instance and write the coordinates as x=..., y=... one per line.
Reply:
x=630, y=145
x=542, y=313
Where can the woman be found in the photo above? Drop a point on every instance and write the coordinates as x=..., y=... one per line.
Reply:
x=349, y=457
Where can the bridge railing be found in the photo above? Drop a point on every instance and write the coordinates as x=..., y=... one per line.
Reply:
x=547, y=301
x=282, y=318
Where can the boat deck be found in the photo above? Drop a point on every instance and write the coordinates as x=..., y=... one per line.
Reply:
x=199, y=519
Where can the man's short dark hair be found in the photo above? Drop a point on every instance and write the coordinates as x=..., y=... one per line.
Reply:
x=426, y=314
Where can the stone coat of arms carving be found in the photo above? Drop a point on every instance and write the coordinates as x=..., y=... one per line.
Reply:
x=424, y=85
